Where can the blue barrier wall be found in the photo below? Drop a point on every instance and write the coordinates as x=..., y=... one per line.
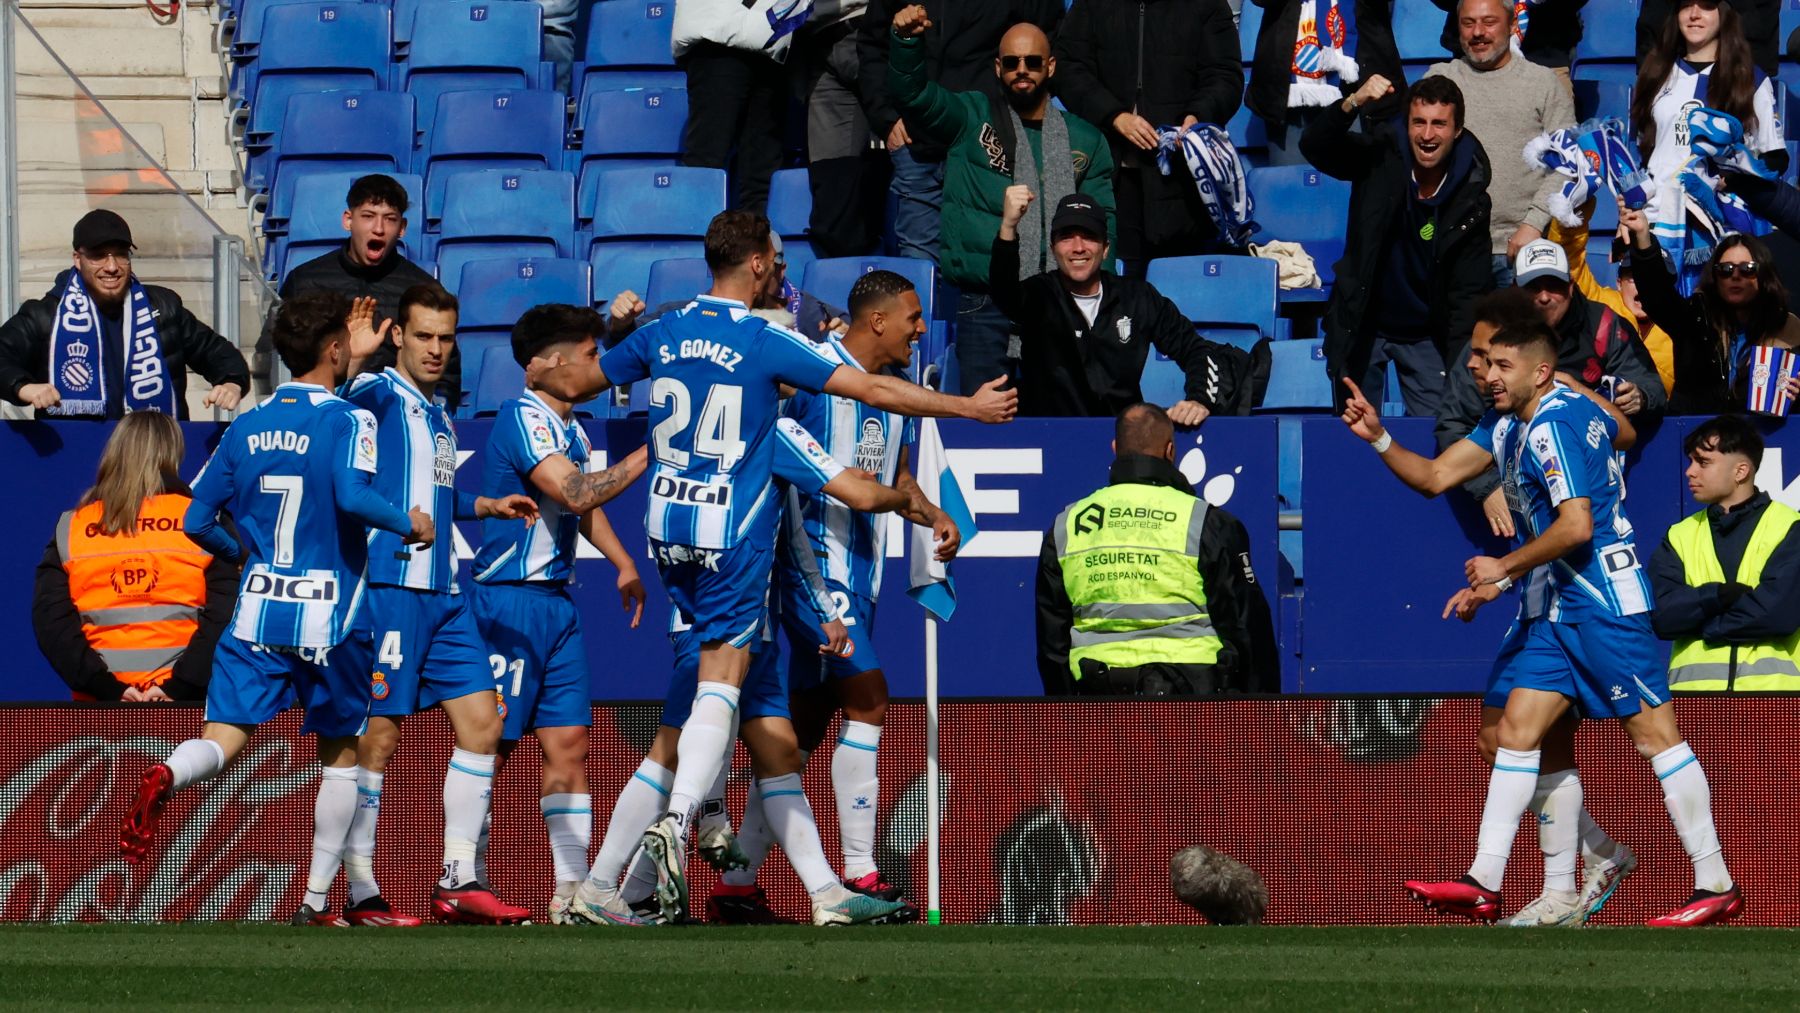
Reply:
x=1380, y=561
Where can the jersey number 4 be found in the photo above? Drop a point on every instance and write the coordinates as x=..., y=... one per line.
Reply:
x=717, y=434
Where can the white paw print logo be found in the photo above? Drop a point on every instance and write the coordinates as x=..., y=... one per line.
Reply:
x=1216, y=490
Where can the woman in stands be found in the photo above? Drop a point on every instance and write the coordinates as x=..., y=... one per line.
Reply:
x=1740, y=304
x=1700, y=59
x=126, y=607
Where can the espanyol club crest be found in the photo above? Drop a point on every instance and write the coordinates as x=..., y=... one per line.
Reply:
x=1124, y=329
x=76, y=375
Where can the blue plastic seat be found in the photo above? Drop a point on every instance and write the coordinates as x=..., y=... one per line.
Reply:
x=1419, y=31
x=311, y=48
x=1249, y=135
x=627, y=128
x=627, y=35
x=494, y=293
x=1297, y=377
x=831, y=279
x=250, y=22
x=317, y=224
x=1599, y=258
x=790, y=215
x=498, y=379
x=476, y=130
x=489, y=44
x=406, y=16
x=676, y=281
x=361, y=131
x=1610, y=98
x=641, y=215
x=1234, y=300
x=1250, y=21
x=1608, y=32
x=1300, y=204
x=504, y=213
x=1163, y=382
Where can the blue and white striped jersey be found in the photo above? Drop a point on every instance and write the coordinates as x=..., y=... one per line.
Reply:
x=527, y=432
x=284, y=470
x=715, y=373
x=1568, y=455
x=418, y=469
x=1502, y=437
x=852, y=544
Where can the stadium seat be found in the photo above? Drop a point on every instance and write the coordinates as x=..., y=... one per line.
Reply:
x=317, y=224
x=790, y=215
x=495, y=292
x=505, y=213
x=1233, y=300
x=627, y=128
x=1163, y=382
x=1599, y=258
x=1608, y=32
x=476, y=130
x=248, y=25
x=348, y=131
x=831, y=279
x=676, y=280
x=406, y=16
x=311, y=48
x=1300, y=204
x=1419, y=32
x=1789, y=19
x=642, y=215
x=498, y=378
x=1250, y=21
x=493, y=44
x=626, y=36
x=1297, y=379
x=1248, y=135
x=1602, y=98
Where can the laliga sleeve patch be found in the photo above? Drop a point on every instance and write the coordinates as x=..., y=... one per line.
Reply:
x=809, y=448
x=363, y=456
x=540, y=436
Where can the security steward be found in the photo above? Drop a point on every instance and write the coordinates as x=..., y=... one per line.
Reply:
x=1727, y=578
x=1144, y=589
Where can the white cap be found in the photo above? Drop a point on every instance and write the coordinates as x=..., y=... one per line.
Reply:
x=1540, y=258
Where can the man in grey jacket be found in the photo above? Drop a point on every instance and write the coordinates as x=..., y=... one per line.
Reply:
x=1509, y=101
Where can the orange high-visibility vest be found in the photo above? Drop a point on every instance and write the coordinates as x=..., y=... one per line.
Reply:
x=139, y=594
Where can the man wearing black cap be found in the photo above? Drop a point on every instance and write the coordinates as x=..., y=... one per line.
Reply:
x=101, y=343
x=1085, y=333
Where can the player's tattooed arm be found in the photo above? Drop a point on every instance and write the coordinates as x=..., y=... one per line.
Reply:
x=578, y=492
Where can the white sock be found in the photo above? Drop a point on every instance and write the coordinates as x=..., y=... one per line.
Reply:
x=1689, y=799
x=569, y=818
x=481, y=844
x=195, y=760
x=1510, y=786
x=1557, y=801
x=1597, y=848
x=640, y=802
x=791, y=817
x=703, y=748
x=332, y=813
x=468, y=795
x=712, y=807
x=359, y=850
x=858, y=789
x=756, y=840
x=641, y=882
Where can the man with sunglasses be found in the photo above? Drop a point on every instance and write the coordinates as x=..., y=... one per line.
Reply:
x=995, y=143
x=101, y=343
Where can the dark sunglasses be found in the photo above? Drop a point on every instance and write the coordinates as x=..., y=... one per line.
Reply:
x=1032, y=63
x=1747, y=269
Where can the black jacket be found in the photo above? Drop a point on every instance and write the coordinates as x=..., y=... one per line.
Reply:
x=960, y=47
x=1578, y=353
x=1379, y=165
x=1729, y=612
x=1249, y=662
x=186, y=344
x=1772, y=199
x=336, y=272
x=1068, y=368
x=1165, y=60
x=1271, y=67
x=58, y=627
x=1761, y=20
x=1549, y=41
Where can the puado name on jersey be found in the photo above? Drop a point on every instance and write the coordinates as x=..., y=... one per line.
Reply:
x=278, y=439
x=720, y=354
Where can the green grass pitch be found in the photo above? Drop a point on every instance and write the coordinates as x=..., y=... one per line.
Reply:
x=913, y=967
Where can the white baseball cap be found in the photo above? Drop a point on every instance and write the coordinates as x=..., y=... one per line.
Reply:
x=1540, y=258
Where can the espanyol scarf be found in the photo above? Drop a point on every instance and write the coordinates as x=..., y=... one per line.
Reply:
x=1590, y=156
x=1718, y=137
x=1218, y=174
x=77, y=352
x=1521, y=24
x=1322, y=59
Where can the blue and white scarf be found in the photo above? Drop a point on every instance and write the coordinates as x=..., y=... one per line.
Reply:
x=77, y=349
x=1590, y=157
x=1322, y=53
x=1218, y=174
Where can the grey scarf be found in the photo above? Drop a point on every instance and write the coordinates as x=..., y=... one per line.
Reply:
x=1053, y=184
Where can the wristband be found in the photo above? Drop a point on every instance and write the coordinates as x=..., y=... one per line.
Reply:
x=1504, y=583
x=1383, y=442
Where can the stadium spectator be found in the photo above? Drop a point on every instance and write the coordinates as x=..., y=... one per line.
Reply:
x=1546, y=34
x=995, y=143
x=558, y=46
x=69, y=354
x=1287, y=94
x=1740, y=304
x=959, y=45
x=1509, y=101
x=1621, y=299
x=1727, y=577
x=1761, y=20
x=1774, y=200
x=368, y=266
x=1416, y=252
x=1086, y=332
x=1165, y=606
x=733, y=55
x=125, y=606
x=1169, y=63
x=1701, y=58
x=841, y=170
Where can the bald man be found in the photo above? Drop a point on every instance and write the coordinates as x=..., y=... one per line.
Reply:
x=995, y=143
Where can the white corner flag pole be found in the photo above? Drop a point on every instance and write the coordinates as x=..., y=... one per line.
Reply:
x=932, y=816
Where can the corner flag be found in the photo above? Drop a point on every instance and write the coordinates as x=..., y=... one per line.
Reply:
x=928, y=581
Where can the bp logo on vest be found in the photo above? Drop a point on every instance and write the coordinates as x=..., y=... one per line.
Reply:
x=135, y=576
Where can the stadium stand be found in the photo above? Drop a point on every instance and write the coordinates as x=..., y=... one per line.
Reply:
x=790, y=212
x=1297, y=377
x=1232, y=300
x=317, y=225
x=506, y=213
x=336, y=131
x=676, y=280
x=475, y=130
x=462, y=46
x=1300, y=204
x=640, y=215
x=628, y=46
x=635, y=126
x=496, y=291
x=313, y=48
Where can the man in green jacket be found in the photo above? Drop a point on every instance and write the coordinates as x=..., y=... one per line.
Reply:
x=1061, y=155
